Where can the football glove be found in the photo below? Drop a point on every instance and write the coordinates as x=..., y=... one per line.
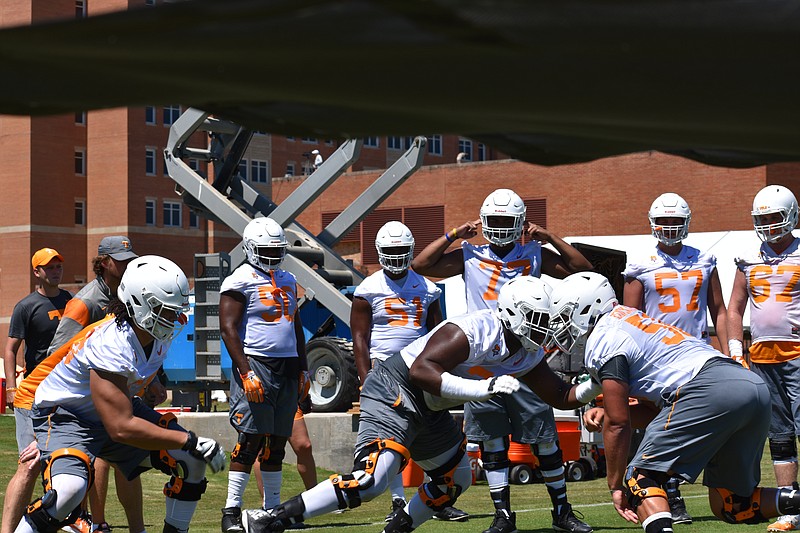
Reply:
x=253, y=388
x=206, y=450
x=503, y=385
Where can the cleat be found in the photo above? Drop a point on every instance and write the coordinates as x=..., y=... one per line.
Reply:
x=568, y=521
x=678, y=509
x=785, y=523
x=261, y=521
x=102, y=527
x=232, y=520
x=397, y=505
x=451, y=514
x=82, y=524
x=504, y=522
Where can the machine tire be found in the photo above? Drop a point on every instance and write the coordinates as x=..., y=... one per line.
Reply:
x=521, y=475
x=334, y=380
x=578, y=471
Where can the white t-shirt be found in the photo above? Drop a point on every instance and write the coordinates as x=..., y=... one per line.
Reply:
x=267, y=328
x=660, y=357
x=676, y=287
x=399, y=313
x=105, y=348
x=485, y=272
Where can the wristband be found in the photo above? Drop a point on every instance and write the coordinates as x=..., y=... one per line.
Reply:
x=191, y=442
x=447, y=236
x=735, y=348
x=587, y=391
x=12, y=389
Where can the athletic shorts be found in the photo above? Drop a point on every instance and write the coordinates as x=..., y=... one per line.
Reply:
x=23, y=419
x=523, y=415
x=58, y=428
x=719, y=422
x=783, y=382
x=275, y=415
x=393, y=408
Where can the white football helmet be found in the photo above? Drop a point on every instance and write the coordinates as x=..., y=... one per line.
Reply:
x=156, y=293
x=265, y=243
x=575, y=305
x=504, y=203
x=670, y=205
x=774, y=199
x=523, y=306
x=395, y=234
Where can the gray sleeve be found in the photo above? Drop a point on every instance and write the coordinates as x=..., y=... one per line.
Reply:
x=615, y=368
x=67, y=328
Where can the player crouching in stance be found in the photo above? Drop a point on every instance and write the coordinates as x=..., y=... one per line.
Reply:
x=702, y=410
x=87, y=407
x=404, y=402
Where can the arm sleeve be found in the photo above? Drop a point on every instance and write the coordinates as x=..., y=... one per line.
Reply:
x=615, y=368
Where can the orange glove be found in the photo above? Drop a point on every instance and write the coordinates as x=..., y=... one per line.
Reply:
x=303, y=385
x=253, y=388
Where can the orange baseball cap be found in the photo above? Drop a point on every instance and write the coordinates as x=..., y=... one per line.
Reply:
x=44, y=256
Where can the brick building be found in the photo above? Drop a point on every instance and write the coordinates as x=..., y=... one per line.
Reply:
x=69, y=180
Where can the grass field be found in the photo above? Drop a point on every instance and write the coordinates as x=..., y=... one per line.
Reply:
x=529, y=501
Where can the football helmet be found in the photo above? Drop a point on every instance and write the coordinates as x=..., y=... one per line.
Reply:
x=503, y=203
x=575, y=305
x=265, y=243
x=670, y=205
x=774, y=199
x=523, y=306
x=394, y=235
x=156, y=293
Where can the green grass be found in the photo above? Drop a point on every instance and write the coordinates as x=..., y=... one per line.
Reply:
x=529, y=501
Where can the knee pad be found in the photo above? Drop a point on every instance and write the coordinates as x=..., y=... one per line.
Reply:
x=44, y=521
x=273, y=452
x=638, y=490
x=497, y=459
x=448, y=476
x=361, y=479
x=179, y=489
x=783, y=450
x=247, y=447
x=741, y=509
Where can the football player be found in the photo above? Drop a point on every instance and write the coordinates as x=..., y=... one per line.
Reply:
x=677, y=284
x=702, y=410
x=404, y=402
x=768, y=280
x=524, y=416
x=261, y=329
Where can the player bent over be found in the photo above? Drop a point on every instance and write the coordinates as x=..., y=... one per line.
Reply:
x=707, y=411
x=86, y=406
x=404, y=404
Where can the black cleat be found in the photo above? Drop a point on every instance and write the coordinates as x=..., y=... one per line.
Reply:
x=397, y=505
x=232, y=520
x=678, y=509
x=504, y=522
x=261, y=521
x=451, y=514
x=567, y=521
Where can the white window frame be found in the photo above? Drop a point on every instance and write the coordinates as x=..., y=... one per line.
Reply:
x=80, y=161
x=244, y=168
x=80, y=118
x=169, y=114
x=372, y=142
x=150, y=117
x=170, y=208
x=80, y=208
x=256, y=168
x=80, y=9
x=465, y=146
x=435, y=145
x=291, y=169
x=194, y=220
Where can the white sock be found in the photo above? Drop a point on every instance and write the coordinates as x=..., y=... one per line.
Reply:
x=179, y=513
x=272, y=488
x=237, y=483
x=396, y=487
x=497, y=479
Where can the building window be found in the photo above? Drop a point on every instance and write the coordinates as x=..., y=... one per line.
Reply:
x=172, y=214
x=291, y=139
x=371, y=142
x=80, y=212
x=150, y=212
x=310, y=140
x=80, y=9
x=171, y=114
x=243, y=169
x=149, y=3
x=399, y=143
x=150, y=115
x=435, y=145
x=481, y=152
x=259, y=171
x=194, y=219
x=80, y=161
x=290, y=169
x=80, y=118
x=329, y=142
x=465, y=147
x=150, y=161
x=194, y=164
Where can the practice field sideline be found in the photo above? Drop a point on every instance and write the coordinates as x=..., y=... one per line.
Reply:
x=530, y=502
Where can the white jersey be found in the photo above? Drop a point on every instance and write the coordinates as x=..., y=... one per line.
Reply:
x=661, y=357
x=267, y=328
x=485, y=272
x=488, y=353
x=399, y=314
x=105, y=348
x=676, y=287
x=774, y=293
